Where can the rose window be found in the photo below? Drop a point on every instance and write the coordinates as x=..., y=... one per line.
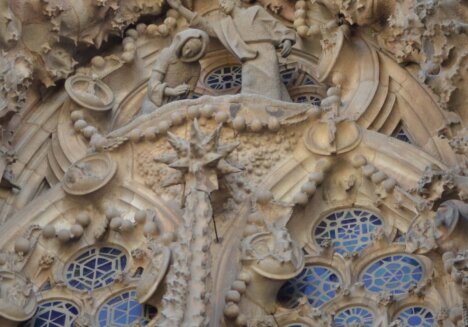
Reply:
x=416, y=316
x=225, y=78
x=350, y=230
x=317, y=283
x=124, y=310
x=394, y=274
x=354, y=316
x=95, y=268
x=53, y=314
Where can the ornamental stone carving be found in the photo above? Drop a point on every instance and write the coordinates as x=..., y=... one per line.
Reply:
x=233, y=163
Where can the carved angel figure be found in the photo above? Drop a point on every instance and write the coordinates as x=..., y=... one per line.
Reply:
x=176, y=71
x=251, y=35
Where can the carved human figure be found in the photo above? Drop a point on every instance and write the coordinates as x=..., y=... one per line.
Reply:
x=251, y=35
x=176, y=71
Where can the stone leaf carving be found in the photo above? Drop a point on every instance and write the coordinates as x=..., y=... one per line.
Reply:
x=17, y=299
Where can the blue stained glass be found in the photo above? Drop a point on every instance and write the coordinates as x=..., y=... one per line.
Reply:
x=401, y=134
x=288, y=77
x=349, y=229
x=95, y=268
x=416, y=316
x=225, y=78
x=308, y=80
x=308, y=98
x=354, y=316
x=124, y=310
x=394, y=274
x=317, y=283
x=53, y=314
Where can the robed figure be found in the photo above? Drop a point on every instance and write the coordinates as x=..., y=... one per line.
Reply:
x=252, y=36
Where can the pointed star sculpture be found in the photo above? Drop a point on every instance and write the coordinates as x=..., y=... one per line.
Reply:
x=199, y=160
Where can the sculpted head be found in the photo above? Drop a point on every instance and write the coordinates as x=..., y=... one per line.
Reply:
x=227, y=6
x=191, y=48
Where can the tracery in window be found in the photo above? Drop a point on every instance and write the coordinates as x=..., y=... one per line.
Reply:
x=124, y=310
x=394, y=274
x=354, y=316
x=308, y=98
x=401, y=134
x=317, y=283
x=95, y=268
x=350, y=229
x=416, y=316
x=53, y=314
x=225, y=78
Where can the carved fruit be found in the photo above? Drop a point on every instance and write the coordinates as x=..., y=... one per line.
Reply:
x=64, y=235
x=231, y=311
x=83, y=219
x=301, y=198
x=116, y=223
x=238, y=123
x=48, y=231
x=76, y=231
x=239, y=286
x=22, y=245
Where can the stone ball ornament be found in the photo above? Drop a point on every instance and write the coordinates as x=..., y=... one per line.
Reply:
x=89, y=174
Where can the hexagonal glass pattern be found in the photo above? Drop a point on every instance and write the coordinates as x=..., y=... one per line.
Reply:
x=317, y=283
x=53, y=314
x=350, y=230
x=394, y=274
x=124, y=310
x=95, y=268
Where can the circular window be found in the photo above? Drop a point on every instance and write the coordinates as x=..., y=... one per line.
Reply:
x=416, y=316
x=350, y=230
x=225, y=78
x=308, y=98
x=53, y=314
x=394, y=274
x=95, y=268
x=317, y=283
x=124, y=310
x=354, y=316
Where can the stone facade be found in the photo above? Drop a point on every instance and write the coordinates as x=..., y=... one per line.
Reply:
x=233, y=163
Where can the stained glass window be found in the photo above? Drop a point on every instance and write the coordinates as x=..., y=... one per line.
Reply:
x=401, y=134
x=416, y=316
x=394, y=274
x=225, y=78
x=124, y=310
x=317, y=283
x=350, y=230
x=306, y=98
x=354, y=316
x=288, y=77
x=95, y=268
x=308, y=80
x=53, y=314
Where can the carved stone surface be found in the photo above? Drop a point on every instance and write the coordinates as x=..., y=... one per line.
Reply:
x=287, y=163
x=89, y=174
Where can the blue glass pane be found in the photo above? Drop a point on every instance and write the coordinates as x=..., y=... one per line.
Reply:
x=354, y=316
x=350, y=230
x=124, y=310
x=95, y=268
x=225, y=78
x=416, y=316
x=317, y=283
x=308, y=98
x=401, y=134
x=394, y=274
x=53, y=314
